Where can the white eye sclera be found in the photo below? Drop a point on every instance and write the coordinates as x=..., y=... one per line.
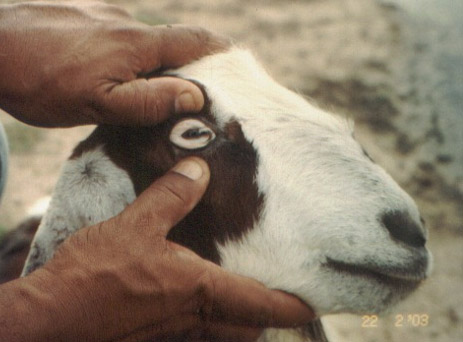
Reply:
x=191, y=134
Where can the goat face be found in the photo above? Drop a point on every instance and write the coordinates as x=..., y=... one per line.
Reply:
x=293, y=201
x=309, y=213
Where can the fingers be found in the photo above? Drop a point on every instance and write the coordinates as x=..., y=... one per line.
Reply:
x=169, y=199
x=143, y=102
x=242, y=300
x=227, y=333
x=191, y=332
x=172, y=46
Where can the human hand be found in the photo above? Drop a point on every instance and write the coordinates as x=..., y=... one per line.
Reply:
x=85, y=62
x=122, y=280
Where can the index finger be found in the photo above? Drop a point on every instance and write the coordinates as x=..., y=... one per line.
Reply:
x=245, y=301
x=171, y=46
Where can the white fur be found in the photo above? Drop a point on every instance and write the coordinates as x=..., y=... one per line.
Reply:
x=322, y=196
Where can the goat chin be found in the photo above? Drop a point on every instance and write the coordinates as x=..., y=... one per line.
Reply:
x=293, y=201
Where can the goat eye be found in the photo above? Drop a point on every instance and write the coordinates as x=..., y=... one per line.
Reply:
x=191, y=134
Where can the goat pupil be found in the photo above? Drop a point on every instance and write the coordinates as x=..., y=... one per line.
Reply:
x=194, y=133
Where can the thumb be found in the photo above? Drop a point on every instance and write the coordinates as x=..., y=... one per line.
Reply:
x=143, y=102
x=169, y=199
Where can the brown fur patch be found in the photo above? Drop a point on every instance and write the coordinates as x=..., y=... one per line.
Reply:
x=231, y=203
x=14, y=247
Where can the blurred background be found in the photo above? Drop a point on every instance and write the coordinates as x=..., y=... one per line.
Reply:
x=395, y=66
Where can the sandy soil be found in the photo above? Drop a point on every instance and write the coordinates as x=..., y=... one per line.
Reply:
x=359, y=58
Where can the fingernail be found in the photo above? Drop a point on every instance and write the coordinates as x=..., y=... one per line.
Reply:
x=190, y=169
x=185, y=103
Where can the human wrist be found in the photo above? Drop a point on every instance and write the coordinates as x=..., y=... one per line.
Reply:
x=25, y=311
x=42, y=307
x=6, y=14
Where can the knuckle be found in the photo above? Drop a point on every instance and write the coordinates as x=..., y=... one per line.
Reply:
x=266, y=316
x=147, y=219
x=203, y=37
x=200, y=33
x=203, y=307
x=172, y=193
x=138, y=102
x=185, y=34
x=117, y=11
x=211, y=41
x=154, y=104
x=205, y=296
x=126, y=32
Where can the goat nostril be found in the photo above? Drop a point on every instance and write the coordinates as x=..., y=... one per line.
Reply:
x=403, y=228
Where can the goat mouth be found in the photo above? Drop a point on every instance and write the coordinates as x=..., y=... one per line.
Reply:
x=389, y=277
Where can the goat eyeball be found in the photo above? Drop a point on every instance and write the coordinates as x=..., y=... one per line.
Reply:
x=191, y=134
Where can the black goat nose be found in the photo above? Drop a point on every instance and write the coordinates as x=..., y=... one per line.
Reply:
x=403, y=228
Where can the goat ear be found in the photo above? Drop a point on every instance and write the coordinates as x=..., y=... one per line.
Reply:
x=314, y=332
x=91, y=189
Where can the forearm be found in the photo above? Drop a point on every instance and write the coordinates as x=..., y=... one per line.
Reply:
x=41, y=45
x=50, y=307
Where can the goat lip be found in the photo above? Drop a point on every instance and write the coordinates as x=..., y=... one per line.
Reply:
x=391, y=276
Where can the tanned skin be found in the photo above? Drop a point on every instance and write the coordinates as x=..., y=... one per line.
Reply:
x=65, y=64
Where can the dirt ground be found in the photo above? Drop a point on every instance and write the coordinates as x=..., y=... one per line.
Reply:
x=360, y=58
